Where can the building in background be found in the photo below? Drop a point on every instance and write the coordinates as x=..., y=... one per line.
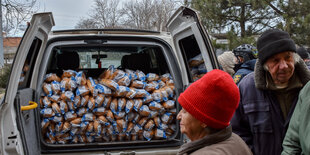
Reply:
x=10, y=45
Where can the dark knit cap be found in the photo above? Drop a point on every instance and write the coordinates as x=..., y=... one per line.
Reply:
x=303, y=53
x=272, y=42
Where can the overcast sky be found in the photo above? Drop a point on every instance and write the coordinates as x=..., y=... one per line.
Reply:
x=66, y=12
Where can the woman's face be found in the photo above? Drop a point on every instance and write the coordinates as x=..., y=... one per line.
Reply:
x=190, y=126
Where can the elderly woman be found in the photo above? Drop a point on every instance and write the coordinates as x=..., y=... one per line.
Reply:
x=207, y=107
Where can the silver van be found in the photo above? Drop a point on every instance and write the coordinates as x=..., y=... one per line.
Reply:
x=183, y=54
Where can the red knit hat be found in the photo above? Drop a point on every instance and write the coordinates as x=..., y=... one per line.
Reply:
x=212, y=99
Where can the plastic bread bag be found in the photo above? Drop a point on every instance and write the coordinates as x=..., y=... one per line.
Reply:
x=107, y=74
x=72, y=85
x=140, y=75
x=113, y=105
x=54, y=98
x=84, y=101
x=68, y=73
x=74, y=131
x=141, y=93
x=88, y=117
x=91, y=84
x=121, y=103
x=82, y=90
x=149, y=125
x=55, y=87
x=76, y=123
x=84, y=126
x=157, y=122
x=82, y=139
x=99, y=100
x=124, y=81
x=80, y=78
x=152, y=77
x=69, y=116
x=165, y=94
x=160, y=134
x=122, y=125
x=136, y=129
x=153, y=114
x=131, y=94
x=147, y=99
x=169, y=90
x=47, y=112
x=155, y=106
x=56, y=119
x=150, y=87
x=117, y=75
x=130, y=127
x=64, y=84
x=202, y=69
x=166, y=118
x=103, y=120
x=120, y=115
x=116, y=129
x=56, y=109
x=51, y=77
x=129, y=106
x=132, y=74
x=170, y=104
x=68, y=95
x=97, y=128
x=91, y=104
x=63, y=107
x=138, y=84
x=122, y=91
x=102, y=89
x=107, y=101
x=66, y=127
x=136, y=118
x=165, y=77
x=109, y=130
x=77, y=102
x=71, y=106
x=45, y=123
x=81, y=111
x=110, y=84
x=143, y=121
x=173, y=111
x=148, y=135
x=99, y=111
x=110, y=116
x=161, y=84
x=196, y=61
x=170, y=83
x=45, y=102
x=157, y=95
x=137, y=105
x=51, y=138
x=59, y=126
x=47, y=89
x=51, y=128
x=90, y=128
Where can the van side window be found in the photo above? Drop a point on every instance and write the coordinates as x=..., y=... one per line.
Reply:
x=194, y=61
x=24, y=80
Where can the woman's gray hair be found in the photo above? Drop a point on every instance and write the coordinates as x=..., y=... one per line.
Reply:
x=296, y=57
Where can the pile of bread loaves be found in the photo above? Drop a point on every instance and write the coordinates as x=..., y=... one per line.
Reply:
x=118, y=106
x=197, y=67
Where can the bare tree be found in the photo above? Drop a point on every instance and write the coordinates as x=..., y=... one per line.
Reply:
x=163, y=11
x=15, y=13
x=87, y=24
x=106, y=13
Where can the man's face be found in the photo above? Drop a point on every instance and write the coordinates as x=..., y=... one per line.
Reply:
x=189, y=125
x=281, y=67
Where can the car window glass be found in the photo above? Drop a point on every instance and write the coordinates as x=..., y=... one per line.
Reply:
x=26, y=74
x=196, y=67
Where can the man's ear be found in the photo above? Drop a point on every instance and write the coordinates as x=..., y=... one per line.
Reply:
x=203, y=124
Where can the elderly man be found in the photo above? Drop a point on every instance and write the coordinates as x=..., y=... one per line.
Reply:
x=208, y=105
x=268, y=95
